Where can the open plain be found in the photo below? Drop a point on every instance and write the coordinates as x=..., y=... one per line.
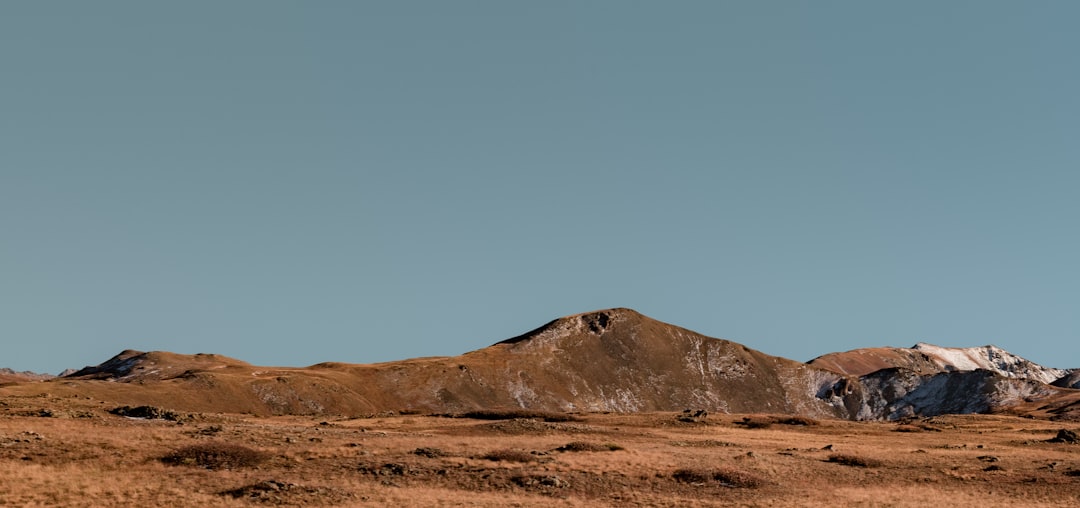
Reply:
x=79, y=451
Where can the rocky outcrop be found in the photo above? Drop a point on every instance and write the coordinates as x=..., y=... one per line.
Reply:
x=891, y=394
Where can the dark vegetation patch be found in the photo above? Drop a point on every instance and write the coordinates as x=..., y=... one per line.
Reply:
x=388, y=469
x=519, y=426
x=429, y=452
x=539, y=482
x=499, y=478
x=147, y=412
x=512, y=414
x=508, y=455
x=853, y=460
x=727, y=477
x=914, y=425
x=703, y=443
x=766, y=421
x=797, y=420
x=216, y=455
x=585, y=446
x=274, y=492
x=692, y=416
x=756, y=422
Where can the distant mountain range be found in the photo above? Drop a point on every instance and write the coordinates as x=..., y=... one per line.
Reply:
x=10, y=376
x=609, y=360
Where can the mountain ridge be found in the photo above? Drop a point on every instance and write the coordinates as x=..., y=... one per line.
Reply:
x=607, y=360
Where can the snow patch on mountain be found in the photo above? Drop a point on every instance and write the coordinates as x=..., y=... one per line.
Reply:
x=991, y=358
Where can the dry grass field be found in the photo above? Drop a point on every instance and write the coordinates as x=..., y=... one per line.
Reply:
x=73, y=452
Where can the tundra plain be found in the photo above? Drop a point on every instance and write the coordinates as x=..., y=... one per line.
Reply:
x=79, y=451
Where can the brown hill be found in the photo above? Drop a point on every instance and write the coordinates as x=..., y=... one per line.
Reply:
x=137, y=366
x=860, y=362
x=611, y=360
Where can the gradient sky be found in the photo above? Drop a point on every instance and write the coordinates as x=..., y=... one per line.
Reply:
x=295, y=182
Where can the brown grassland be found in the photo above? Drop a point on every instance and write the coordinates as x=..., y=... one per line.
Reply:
x=73, y=452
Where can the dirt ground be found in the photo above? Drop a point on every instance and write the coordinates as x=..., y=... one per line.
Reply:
x=75, y=452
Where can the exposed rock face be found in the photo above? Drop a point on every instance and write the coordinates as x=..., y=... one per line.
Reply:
x=898, y=393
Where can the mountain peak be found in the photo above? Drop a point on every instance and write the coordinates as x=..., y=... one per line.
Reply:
x=992, y=358
x=595, y=323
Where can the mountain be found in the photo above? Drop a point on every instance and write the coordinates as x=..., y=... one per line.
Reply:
x=609, y=360
x=131, y=365
x=10, y=376
x=926, y=358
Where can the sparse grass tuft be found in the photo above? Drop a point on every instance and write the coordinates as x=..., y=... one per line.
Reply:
x=508, y=455
x=585, y=446
x=797, y=420
x=511, y=414
x=766, y=421
x=216, y=456
x=703, y=443
x=756, y=422
x=691, y=475
x=853, y=460
x=429, y=452
x=728, y=477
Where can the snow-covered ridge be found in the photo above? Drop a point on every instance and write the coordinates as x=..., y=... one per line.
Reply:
x=991, y=358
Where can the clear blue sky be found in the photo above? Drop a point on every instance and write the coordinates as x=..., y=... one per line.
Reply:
x=296, y=182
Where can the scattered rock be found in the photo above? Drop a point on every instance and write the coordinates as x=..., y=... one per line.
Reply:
x=275, y=492
x=388, y=469
x=854, y=460
x=1065, y=436
x=540, y=481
